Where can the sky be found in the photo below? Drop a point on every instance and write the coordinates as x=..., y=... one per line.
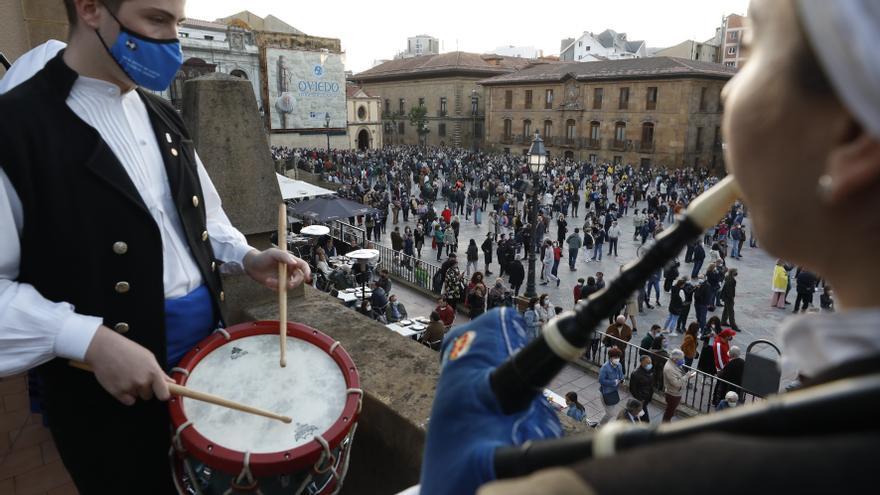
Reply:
x=377, y=30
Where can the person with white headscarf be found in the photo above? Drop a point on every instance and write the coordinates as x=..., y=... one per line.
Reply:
x=802, y=125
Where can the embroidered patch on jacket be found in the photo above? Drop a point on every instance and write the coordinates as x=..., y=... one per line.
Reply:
x=462, y=345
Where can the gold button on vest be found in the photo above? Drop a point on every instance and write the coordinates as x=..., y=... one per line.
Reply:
x=196, y=201
x=120, y=247
x=121, y=327
x=122, y=287
x=205, y=235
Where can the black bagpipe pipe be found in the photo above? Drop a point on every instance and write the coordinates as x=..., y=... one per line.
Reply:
x=517, y=381
x=815, y=411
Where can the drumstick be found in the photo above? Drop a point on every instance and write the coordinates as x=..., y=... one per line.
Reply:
x=205, y=397
x=282, y=285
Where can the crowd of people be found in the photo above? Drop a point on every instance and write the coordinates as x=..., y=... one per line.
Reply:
x=587, y=203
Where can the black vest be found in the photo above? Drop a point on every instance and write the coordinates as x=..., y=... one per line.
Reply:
x=80, y=205
x=89, y=240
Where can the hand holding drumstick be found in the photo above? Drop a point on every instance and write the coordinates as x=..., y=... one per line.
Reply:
x=182, y=391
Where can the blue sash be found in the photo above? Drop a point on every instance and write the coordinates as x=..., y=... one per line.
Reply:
x=188, y=320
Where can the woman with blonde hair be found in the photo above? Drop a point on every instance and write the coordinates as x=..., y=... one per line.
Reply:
x=779, y=286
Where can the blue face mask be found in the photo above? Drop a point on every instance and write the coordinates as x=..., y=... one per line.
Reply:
x=649, y=367
x=679, y=362
x=148, y=62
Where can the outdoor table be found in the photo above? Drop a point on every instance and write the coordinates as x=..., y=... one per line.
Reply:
x=406, y=330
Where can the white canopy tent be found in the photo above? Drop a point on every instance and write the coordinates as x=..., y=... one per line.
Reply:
x=297, y=189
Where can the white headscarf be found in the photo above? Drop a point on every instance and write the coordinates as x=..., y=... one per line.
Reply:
x=29, y=64
x=845, y=35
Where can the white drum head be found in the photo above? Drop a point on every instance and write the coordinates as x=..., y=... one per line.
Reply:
x=310, y=389
x=315, y=230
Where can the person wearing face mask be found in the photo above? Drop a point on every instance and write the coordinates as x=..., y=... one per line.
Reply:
x=633, y=412
x=674, y=378
x=730, y=401
x=544, y=309
x=610, y=379
x=395, y=310
x=731, y=374
x=83, y=136
x=641, y=384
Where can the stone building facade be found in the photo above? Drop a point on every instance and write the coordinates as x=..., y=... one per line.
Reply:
x=645, y=112
x=364, y=119
x=445, y=85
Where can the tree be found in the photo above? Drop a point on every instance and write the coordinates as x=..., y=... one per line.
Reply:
x=418, y=118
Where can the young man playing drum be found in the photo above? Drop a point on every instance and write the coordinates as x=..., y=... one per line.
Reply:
x=89, y=157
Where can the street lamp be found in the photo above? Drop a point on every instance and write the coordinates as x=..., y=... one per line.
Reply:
x=537, y=158
x=327, y=131
x=475, y=99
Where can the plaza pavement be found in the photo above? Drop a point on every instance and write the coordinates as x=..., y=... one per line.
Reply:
x=754, y=316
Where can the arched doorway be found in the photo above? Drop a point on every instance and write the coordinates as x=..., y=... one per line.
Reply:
x=363, y=139
x=239, y=73
x=569, y=154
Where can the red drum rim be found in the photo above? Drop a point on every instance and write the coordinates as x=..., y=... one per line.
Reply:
x=289, y=461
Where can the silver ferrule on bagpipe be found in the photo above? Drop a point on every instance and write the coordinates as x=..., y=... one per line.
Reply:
x=813, y=411
x=517, y=381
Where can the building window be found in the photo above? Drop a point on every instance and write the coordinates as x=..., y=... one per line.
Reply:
x=387, y=106
x=528, y=99
x=527, y=129
x=594, y=132
x=580, y=43
x=731, y=50
x=400, y=104
x=508, y=128
x=508, y=99
x=442, y=105
x=478, y=129
x=362, y=112
x=703, y=100
x=730, y=64
x=699, y=143
x=401, y=128
x=624, y=99
x=733, y=35
x=587, y=48
x=421, y=102
x=548, y=98
x=598, y=94
x=651, y=103
x=620, y=134
x=388, y=128
x=647, y=136
x=548, y=129
x=570, y=126
x=441, y=129
x=209, y=37
x=184, y=35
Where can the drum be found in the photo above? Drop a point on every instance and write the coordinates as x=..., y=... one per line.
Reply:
x=217, y=450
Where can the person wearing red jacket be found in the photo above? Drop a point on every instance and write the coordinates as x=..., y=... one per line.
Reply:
x=720, y=348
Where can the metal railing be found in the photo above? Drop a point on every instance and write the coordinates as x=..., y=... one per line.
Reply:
x=698, y=391
x=400, y=266
x=407, y=268
x=354, y=236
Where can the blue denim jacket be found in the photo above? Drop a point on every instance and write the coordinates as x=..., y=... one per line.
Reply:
x=607, y=375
